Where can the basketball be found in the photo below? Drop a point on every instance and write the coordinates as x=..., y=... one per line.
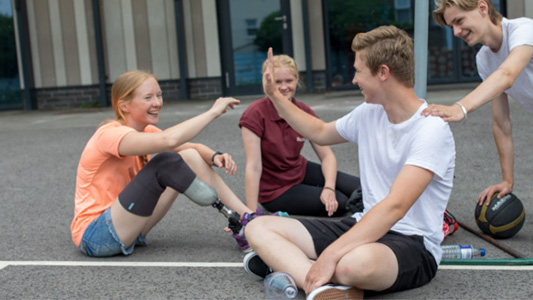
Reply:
x=502, y=218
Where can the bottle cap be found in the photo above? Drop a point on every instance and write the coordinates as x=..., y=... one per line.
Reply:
x=482, y=250
x=290, y=292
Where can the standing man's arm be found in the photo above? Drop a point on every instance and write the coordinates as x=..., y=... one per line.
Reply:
x=493, y=86
x=502, y=131
x=310, y=127
x=405, y=190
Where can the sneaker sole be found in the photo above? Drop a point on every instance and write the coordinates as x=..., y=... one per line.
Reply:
x=333, y=292
x=247, y=250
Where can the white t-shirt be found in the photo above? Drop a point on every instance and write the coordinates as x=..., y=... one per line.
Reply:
x=516, y=32
x=385, y=148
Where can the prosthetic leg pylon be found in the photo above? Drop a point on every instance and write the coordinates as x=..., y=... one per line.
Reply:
x=202, y=194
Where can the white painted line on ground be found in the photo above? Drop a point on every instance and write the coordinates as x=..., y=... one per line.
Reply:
x=4, y=264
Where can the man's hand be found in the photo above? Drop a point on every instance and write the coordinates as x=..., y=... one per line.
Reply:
x=320, y=273
x=502, y=189
x=269, y=82
x=453, y=113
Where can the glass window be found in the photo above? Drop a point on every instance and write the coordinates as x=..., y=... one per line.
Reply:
x=251, y=28
x=254, y=28
x=449, y=59
x=9, y=78
x=440, y=51
x=347, y=18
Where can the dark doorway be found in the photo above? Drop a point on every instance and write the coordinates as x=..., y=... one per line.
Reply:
x=10, y=96
x=247, y=29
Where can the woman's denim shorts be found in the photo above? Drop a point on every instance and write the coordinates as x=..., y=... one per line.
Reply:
x=101, y=239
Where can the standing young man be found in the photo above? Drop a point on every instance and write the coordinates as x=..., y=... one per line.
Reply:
x=406, y=167
x=504, y=63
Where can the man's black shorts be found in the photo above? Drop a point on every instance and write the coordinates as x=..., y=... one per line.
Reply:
x=417, y=266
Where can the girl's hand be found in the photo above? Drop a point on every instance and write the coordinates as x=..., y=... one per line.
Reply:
x=330, y=201
x=224, y=160
x=222, y=103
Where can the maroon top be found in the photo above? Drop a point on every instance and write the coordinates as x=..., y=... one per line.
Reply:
x=283, y=165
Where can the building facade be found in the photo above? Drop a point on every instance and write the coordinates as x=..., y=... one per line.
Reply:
x=69, y=52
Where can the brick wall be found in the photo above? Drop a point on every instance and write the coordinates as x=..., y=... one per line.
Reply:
x=89, y=96
x=171, y=90
x=70, y=97
x=205, y=88
x=319, y=82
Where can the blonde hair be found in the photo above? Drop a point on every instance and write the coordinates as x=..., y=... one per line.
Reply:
x=286, y=61
x=390, y=46
x=467, y=5
x=122, y=89
x=124, y=86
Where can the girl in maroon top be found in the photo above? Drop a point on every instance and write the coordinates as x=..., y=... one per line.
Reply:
x=277, y=175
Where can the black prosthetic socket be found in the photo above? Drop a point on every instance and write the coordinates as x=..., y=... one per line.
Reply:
x=167, y=169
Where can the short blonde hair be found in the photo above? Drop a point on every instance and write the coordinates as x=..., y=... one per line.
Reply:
x=124, y=86
x=467, y=5
x=390, y=46
x=285, y=61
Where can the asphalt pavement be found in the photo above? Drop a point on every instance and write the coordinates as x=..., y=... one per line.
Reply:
x=189, y=256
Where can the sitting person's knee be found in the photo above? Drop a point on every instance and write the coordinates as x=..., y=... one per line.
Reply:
x=167, y=159
x=255, y=229
x=253, y=226
x=354, y=270
x=367, y=268
x=163, y=157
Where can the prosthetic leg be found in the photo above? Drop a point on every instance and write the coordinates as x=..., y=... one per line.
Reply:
x=202, y=194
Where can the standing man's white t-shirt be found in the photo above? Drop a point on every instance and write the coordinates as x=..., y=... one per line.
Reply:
x=516, y=32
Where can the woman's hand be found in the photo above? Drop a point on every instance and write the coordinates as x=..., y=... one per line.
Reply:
x=224, y=160
x=222, y=103
x=453, y=113
x=330, y=201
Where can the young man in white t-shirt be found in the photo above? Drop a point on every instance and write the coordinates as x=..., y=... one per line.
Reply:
x=406, y=166
x=506, y=67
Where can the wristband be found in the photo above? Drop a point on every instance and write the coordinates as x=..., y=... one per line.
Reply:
x=329, y=188
x=463, y=108
x=213, y=157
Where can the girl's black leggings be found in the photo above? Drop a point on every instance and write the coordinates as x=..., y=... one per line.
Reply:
x=304, y=198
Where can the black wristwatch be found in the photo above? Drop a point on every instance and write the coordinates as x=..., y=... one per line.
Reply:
x=213, y=157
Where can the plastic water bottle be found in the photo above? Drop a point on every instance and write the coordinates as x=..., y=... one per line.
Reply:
x=280, y=286
x=462, y=251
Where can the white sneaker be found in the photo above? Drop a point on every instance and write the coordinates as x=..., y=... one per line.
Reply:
x=333, y=292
